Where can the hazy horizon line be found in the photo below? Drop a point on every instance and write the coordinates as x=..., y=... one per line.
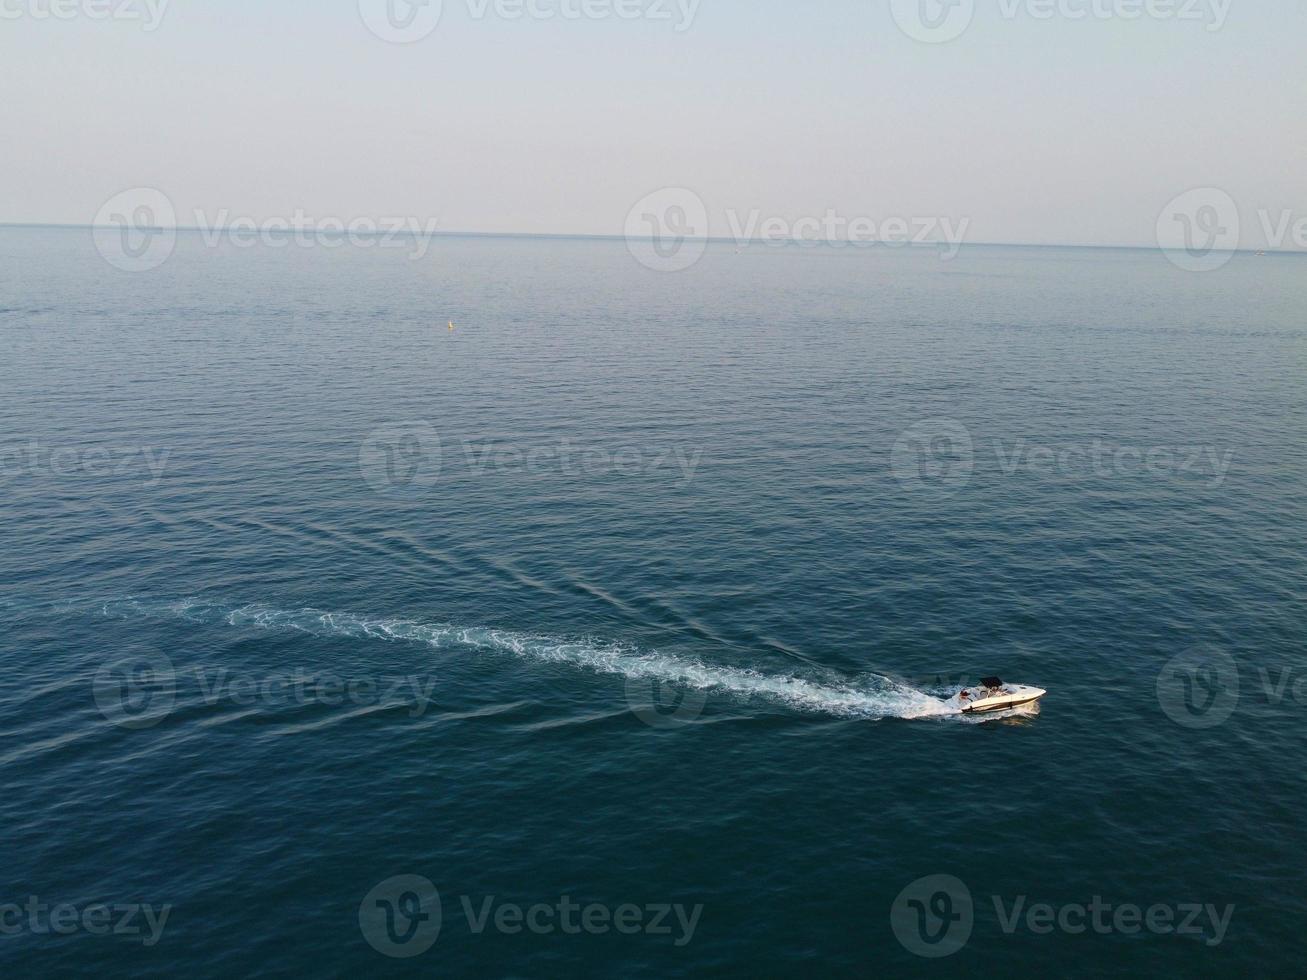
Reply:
x=710, y=239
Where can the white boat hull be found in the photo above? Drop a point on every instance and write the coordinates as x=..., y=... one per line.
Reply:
x=1013, y=699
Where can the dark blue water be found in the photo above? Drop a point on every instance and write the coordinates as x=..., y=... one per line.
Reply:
x=650, y=595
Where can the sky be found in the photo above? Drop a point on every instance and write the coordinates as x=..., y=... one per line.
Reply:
x=1042, y=121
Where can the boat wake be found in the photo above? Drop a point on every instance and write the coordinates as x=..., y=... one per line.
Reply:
x=868, y=695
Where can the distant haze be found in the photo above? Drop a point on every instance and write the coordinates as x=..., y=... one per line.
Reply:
x=1073, y=121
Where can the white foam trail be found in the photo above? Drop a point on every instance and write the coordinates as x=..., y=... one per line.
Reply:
x=864, y=696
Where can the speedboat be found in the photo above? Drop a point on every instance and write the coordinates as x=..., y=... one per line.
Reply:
x=997, y=696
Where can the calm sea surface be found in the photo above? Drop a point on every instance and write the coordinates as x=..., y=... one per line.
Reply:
x=617, y=631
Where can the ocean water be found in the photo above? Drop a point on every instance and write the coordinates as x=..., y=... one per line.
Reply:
x=618, y=630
